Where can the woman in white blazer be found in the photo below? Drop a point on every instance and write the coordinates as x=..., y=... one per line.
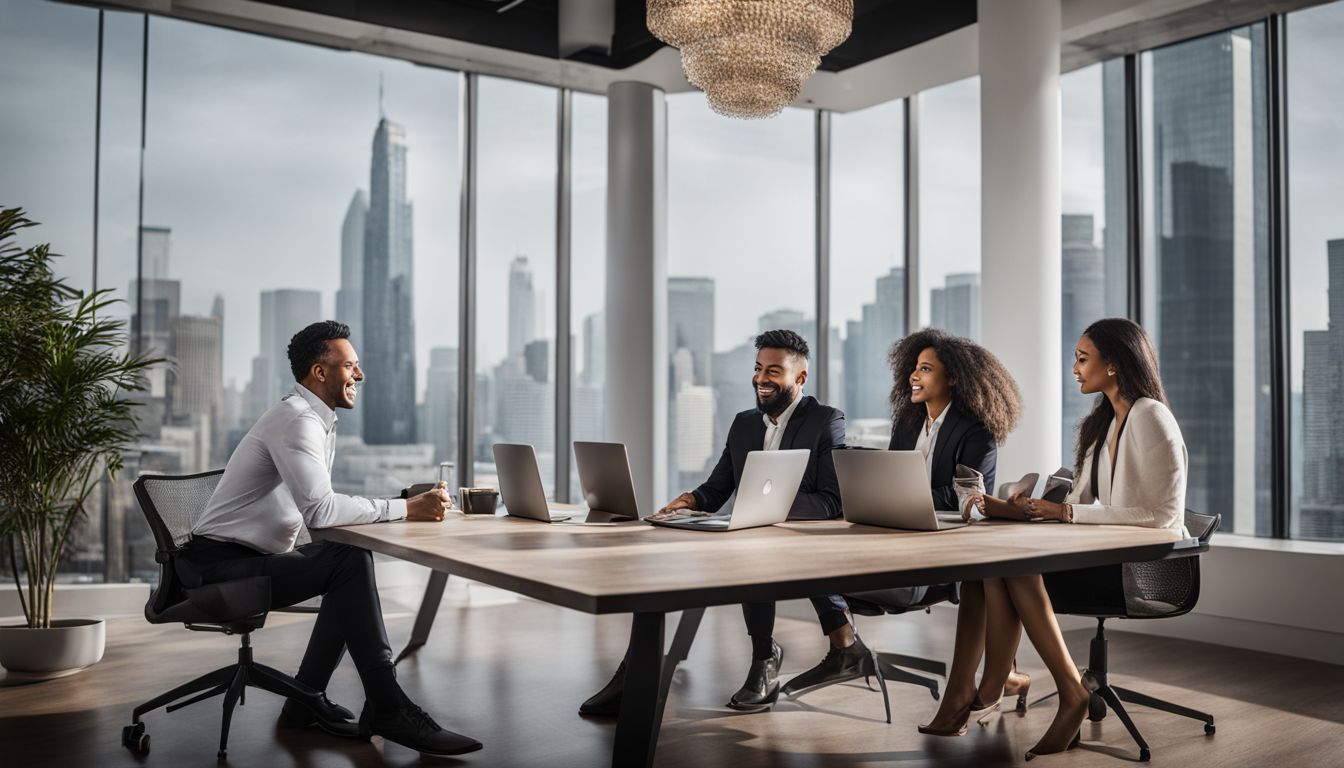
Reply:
x=1130, y=466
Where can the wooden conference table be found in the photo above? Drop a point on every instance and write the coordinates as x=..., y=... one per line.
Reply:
x=649, y=571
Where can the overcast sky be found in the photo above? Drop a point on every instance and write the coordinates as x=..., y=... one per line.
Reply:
x=254, y=147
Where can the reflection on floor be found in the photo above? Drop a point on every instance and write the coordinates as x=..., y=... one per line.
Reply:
x=512, y=672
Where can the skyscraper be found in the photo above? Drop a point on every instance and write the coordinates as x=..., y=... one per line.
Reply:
x=522, y=306
x=956, y=306
x=350, y=296
x=1084, y=294
x=867, y=379
x=284, y=312
x=155, y=248
x=690, y=327
x=440, y=425
x=388, y=324
x=1322, y=495
x=1209, y=319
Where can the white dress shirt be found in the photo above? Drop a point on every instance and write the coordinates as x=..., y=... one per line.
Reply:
x=774, y=429
x=928, y=438
x=279, y=479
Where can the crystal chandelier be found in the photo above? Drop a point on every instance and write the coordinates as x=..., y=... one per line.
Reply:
x=750, y=57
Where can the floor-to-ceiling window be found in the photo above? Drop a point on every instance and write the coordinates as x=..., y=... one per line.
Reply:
x=1093, y=223
x=867, y=280
x=1206, y=299
x=515, y=273
x=740, y=261
x=949, y=207
x=588, y=281
x=1315, y=71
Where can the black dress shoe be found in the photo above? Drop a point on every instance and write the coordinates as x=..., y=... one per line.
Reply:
x=840, y=664
x=606, y=702
x=319, y=712
x=761, y=689
x=413, y=728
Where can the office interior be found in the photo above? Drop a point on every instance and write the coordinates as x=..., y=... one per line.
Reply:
x=573, y=246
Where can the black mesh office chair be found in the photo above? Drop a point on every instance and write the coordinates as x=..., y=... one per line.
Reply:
x=1157, y=589
x=171, y=505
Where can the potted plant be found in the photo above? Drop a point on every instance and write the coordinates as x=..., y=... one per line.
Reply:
x=64, y=423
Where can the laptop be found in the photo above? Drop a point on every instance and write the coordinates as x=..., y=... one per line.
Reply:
x=520, y=485
x=604, y=477
x=889, y=489
x=765, y=493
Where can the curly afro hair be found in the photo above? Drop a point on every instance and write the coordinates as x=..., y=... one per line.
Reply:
x=980, y=383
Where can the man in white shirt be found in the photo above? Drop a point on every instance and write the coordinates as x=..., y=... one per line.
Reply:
x=279, y=480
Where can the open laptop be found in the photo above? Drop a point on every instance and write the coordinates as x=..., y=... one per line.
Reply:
x=520, y=485
x=889, y=489
x=765, y=493
x=604, y=476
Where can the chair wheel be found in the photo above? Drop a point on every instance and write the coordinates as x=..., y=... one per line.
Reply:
x=134, y=738
x=1144, y=756
x=1209, y=729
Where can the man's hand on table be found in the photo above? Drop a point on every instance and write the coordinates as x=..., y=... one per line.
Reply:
x=682, y=506
x=429, y=506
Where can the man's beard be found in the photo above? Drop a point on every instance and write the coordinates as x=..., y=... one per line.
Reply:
x=777, y=403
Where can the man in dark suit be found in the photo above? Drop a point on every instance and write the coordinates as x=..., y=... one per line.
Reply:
x=784, y=418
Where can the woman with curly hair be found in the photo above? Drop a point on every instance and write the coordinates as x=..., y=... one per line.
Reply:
x=953, y=401
x=1131, y=421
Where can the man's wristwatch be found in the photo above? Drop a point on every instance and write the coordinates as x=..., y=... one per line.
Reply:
x=1067, y=517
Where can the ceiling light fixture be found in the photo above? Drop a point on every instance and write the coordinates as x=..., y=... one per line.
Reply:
x=750, y=57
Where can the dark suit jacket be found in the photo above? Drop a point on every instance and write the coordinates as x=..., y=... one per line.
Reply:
x=962, y=439
x=814, y=426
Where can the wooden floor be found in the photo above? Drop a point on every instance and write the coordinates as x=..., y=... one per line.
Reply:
x=512, y=672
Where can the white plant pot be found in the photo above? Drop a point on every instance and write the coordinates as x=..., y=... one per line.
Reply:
x=68, y=646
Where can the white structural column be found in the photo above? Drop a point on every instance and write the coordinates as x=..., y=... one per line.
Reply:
x=1020, y=217
x=636, y=388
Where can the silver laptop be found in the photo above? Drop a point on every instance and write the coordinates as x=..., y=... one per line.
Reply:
x=889, y=489
x=520, y=485
x=604, y=476
x=765, y=493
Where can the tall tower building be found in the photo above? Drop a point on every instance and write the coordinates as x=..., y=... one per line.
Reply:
x=1322, y=504
x=440, y=425
x=867, y=341
x=155, y=248
x=690, y=327
x=350, y=296
x=956, y=306
x=1084, y=294
x=522, y=306
x=284, y=313
x=388, y=324
x=1211, y=241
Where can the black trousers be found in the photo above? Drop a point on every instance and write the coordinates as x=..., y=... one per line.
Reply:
x=351, y=615
x=760, y=617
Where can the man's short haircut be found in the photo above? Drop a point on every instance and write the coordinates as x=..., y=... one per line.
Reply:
x=309, y=346
x=783, y=339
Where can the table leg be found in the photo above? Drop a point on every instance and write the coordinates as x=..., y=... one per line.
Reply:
x=424, y=618
x=641, y=702
x=681, y=648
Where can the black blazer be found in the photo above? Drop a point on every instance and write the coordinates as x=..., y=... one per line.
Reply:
x=819, y=428
x=961, y=440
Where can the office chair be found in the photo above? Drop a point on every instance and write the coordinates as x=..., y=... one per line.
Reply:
x=172, y=505
x=1165, y=588
x=887, y=666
